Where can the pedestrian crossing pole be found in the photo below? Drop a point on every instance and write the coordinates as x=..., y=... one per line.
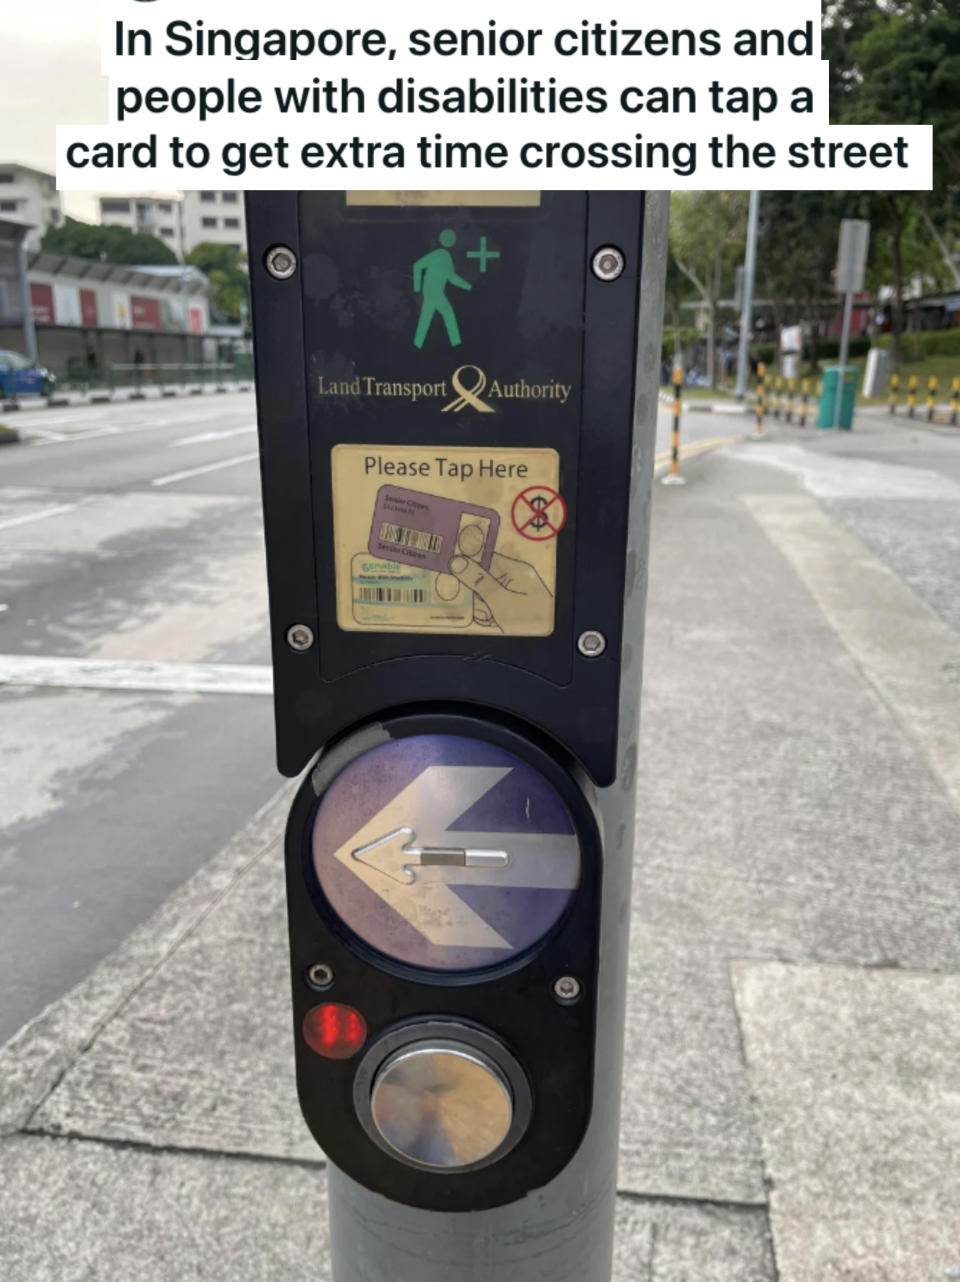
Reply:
x=673, y=477
x=955, y=403
x=894, y=392
x=912, y=397
x=932, y=386
x=804, y=401
x=465, y=1092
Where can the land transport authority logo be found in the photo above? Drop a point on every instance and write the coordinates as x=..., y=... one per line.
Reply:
x=468, y=386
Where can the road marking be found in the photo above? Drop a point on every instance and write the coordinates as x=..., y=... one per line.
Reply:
x=662, y=460
x=130, y=674
x=201, y=471
x=201, y=438
x=903, y=649
x=37, y=516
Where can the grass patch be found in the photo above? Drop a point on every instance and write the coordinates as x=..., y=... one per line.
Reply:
x=8, y=433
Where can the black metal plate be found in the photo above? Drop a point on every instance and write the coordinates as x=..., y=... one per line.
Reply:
x=350, y=309
x=553, y=1042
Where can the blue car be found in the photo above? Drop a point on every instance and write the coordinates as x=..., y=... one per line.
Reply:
x=18, y=377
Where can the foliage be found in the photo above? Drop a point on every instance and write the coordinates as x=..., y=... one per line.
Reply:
x=929, y=342
x=707, y=233
x=677, y=341
x=225, y=267
x=107, y=244
x=826, y=350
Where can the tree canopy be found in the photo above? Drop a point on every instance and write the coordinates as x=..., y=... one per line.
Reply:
x=225, y=266
x=107, y=244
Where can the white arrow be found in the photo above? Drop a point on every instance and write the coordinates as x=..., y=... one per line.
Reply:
x=395, y=855
x=437, y=798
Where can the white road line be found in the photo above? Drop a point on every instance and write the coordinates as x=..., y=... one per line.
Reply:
x=37, y=516
x=128, y=674
x=201, y=438
x=200, y=471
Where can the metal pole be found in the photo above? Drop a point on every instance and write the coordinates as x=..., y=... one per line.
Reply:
x=565, y=1231
x=844, y=355
x=746, y=315
x=29, y=329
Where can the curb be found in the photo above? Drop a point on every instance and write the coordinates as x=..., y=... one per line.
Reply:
x=706, y=407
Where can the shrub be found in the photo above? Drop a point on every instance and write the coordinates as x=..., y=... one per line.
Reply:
x=931, y=342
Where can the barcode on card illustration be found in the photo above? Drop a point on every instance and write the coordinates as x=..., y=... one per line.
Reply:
x=422, y=540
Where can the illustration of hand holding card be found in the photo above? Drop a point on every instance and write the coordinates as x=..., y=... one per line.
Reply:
x=455, y=542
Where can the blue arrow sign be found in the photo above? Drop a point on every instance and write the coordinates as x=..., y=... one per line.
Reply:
x=445, y=852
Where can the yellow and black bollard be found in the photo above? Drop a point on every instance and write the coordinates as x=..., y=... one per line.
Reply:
x=932, y=386
x=804, y=401
x=894, y=392
x=955, y=403
x=777, y=389
x=673, y=477
x=761, y=400
x=791, y=393
x=912, y=397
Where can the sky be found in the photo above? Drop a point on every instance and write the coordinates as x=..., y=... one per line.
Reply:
x=49, y=76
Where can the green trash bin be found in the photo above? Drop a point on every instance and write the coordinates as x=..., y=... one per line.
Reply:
x=828, y=398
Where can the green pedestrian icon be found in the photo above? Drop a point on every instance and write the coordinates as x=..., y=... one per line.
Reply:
x=431, y=275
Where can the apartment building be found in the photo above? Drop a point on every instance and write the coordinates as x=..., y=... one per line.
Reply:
x=214, y=216
x=181, y=222
x=158, y=216
x=29, y=196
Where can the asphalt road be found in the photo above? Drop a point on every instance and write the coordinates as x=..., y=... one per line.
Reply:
x=128, y=532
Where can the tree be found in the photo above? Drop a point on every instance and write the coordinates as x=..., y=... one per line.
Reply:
x=107, y=244
x=707, y=234
x=225, y=266
x=906, y=63
x=797, y=254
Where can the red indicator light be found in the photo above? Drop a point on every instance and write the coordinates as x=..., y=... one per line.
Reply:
x=334, y=1031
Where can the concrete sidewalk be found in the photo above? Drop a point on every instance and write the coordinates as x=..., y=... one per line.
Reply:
x=790, y=1107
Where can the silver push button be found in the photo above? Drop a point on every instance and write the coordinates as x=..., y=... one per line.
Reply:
x=442, y=1104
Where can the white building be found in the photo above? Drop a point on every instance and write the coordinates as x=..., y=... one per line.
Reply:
x=30, y=196
x=159, y=216
x=214, y=216
x=181, y=222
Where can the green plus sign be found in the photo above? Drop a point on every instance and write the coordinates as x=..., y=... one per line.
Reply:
x=483, y=253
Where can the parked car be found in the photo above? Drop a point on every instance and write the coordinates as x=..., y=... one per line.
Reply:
x=19, y=377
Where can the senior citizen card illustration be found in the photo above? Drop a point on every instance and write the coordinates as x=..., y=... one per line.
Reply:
x=457, y=540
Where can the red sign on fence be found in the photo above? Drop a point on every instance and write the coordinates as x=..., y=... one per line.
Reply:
x=144, y=312
x=41, y=304
x=88, y=308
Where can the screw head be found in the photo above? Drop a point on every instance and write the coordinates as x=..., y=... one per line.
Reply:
x=299, y=637
x=608, y=263
x=566, y=988
x=320, y=976
x=591, y=644
x=280, y=262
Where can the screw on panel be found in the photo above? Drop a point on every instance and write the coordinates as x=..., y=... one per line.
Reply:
x=320, y=976
x=591, y=644
x=608, y=263
x=281, y=262
x=299, y=637
x=566, y=988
